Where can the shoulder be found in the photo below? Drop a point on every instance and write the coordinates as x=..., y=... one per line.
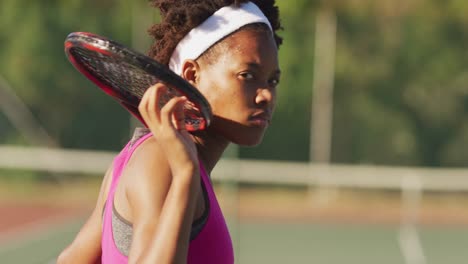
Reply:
x=146, y=160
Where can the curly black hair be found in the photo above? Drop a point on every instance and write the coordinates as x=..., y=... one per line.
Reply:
x=178, y=17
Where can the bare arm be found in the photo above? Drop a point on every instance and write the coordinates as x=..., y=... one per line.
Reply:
x=175, y=221
x=162, y=210
x=163, y=214
x=86, y=247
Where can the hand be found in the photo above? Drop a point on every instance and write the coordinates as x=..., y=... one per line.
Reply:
x=168, y=126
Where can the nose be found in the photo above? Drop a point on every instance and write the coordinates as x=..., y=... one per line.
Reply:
x=264, y=96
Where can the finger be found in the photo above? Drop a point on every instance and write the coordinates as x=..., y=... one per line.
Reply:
x=161, y=91
x=168, y=111
x=143, y=105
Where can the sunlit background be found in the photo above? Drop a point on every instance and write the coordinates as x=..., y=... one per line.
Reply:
x=366, y=160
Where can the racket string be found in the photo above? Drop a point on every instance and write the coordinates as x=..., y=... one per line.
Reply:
x=131, y=82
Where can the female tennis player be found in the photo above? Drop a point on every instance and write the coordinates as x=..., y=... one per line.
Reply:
x=156, y=203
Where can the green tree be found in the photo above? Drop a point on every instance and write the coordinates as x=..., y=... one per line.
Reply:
x=33, y=61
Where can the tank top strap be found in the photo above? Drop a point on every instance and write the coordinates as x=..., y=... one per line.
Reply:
x=207, y=182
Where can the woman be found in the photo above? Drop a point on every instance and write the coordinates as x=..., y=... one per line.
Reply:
x=156, y=203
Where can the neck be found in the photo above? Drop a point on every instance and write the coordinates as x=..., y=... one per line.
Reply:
x=210, y=148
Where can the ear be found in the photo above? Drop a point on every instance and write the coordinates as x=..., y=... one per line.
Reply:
x=191, y=71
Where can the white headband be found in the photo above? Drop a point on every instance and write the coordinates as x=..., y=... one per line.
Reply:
x=222, y=23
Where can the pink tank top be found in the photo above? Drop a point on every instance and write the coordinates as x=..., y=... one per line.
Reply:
x=213, y=243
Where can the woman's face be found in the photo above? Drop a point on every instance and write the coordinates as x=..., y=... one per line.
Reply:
x=239, y=82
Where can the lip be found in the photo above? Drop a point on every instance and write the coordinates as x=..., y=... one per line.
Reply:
x=262, y=118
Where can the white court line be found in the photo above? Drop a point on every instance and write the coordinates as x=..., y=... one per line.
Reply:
x=410, y=246
x=409, y=241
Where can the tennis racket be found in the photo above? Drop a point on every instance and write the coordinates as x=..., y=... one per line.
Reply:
x=125, y=75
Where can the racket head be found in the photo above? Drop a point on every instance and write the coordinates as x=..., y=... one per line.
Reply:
x=126, y=74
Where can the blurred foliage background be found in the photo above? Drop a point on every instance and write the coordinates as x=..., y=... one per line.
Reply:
x=400, y=93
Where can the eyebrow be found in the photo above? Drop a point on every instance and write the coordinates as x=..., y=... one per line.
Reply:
x=257, y=66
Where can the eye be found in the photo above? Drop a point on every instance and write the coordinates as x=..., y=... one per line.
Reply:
x=246, y=76
x=274, y=82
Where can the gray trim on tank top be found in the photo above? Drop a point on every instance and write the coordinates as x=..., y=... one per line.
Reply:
x=122, y=229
